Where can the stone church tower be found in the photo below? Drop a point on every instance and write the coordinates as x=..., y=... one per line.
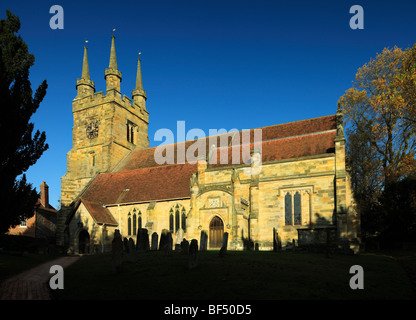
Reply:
x=106, y=128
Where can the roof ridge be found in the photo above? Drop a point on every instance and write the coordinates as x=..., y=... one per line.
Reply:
x=290, y=122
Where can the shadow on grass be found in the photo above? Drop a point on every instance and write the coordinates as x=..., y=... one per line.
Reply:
x=238, y=275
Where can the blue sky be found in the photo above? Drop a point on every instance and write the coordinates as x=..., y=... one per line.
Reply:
x=213, y=64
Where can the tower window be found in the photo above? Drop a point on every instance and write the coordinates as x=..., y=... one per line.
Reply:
x=130, y=131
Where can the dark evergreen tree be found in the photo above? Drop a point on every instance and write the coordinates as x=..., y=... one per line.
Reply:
x=20, y=148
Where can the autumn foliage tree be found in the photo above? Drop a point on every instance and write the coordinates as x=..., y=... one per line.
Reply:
x=380, y=118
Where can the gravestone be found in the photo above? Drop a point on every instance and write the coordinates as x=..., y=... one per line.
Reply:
x=154, y=240
x=117, y=252
x=185, y=246
x=204, y=241
x=179, y=236
x=126, y=245
x=178, y=240
x=132, y=248
x=164, y=242
x=275, y=240
x=223, y=249
x=170, y=244
x=142, y=240
x=193, y=254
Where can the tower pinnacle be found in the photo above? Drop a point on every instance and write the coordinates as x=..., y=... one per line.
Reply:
x=113, y=58
x=112, y=75
x=139, y=95
x=85, y=86
x=85, y=68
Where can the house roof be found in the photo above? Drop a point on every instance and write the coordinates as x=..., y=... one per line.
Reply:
x=40, y=206
x=139, y=178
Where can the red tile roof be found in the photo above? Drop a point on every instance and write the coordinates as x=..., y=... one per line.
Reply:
x=139, y=178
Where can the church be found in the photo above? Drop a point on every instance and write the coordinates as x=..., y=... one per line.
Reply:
x=300, y=195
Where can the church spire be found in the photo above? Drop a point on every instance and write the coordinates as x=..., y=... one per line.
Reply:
x=112, y=75
x=139, y=95
x=85, y=86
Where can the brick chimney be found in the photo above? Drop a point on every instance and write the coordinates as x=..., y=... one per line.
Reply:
x=44, y=194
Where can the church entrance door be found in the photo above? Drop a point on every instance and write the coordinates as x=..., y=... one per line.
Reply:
x=216, y=233
x=84, y=242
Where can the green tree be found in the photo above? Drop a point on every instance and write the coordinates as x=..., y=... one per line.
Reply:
x=20, y=148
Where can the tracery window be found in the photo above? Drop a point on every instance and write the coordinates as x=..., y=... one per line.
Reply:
x=177, y=218
x=297, y=206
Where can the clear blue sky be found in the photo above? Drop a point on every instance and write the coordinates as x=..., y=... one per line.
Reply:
x=213, y=64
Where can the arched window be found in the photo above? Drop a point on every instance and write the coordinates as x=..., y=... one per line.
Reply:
x=288, y=209
x=177, y=221
x=171, y=220
x=129, y=225
x=134, y=225
x=177, y=218
x=296, y=208
x=140, y=221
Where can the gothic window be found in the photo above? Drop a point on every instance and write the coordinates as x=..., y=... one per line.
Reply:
x=296, y=208
x=134, y=224
x=177, y=221
x=129, y=225
x=288, y=209
x=177, y=218
x=140, y=220
x=171, y=220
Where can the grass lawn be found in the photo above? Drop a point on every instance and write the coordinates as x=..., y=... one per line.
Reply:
x=238, y=275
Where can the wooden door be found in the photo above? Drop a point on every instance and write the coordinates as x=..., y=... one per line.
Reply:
x=216, y=233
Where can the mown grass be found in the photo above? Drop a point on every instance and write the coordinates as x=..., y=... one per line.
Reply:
x=238, y=275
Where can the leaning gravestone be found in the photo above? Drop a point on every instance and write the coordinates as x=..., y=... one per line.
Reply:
x=223, y=250
x=204, y=241
x=154, y=241
x=117, y=252
x=193, y=254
